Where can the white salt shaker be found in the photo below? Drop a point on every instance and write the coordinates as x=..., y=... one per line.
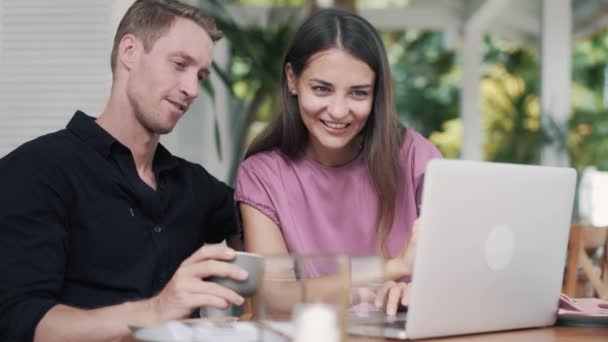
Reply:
x=316, y=322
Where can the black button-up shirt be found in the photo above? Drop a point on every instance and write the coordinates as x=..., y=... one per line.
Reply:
x=79, y=227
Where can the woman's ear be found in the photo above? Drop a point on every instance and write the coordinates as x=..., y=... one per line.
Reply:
x=128, y=51
x=291, y=79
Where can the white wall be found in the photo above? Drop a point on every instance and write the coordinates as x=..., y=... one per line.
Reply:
x=55, y=59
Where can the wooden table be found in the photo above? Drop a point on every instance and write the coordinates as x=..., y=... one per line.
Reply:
x=552, y=334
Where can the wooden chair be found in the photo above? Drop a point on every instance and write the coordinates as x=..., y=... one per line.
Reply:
x=585, y=239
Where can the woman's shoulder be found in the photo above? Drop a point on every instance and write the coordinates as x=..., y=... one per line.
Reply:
x=413, y=137
x=266, y=162
x=416, y=146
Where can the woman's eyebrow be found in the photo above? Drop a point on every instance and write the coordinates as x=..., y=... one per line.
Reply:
x=325, y=83
x=328, y=84
x=362, y=86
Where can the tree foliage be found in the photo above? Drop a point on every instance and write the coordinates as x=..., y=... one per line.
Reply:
x=588, y=141
x=427, y=75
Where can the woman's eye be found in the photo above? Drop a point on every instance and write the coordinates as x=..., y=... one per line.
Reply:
x=320, y=89
x=359, y=93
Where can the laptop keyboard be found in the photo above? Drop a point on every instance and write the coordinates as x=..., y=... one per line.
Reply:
x=377, y=324
x=378, y=318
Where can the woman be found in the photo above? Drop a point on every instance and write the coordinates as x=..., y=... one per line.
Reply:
x=335, y=172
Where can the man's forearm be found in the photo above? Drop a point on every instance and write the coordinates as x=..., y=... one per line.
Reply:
x=66, y=324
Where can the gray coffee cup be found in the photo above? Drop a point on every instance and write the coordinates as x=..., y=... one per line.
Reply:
x=253, y=264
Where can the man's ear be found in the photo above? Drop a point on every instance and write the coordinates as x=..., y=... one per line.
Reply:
x=129, y=50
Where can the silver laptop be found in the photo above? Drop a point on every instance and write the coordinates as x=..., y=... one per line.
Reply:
x=491, y=250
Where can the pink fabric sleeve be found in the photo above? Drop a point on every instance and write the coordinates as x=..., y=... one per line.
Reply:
x=423, y=152
x=255, y=191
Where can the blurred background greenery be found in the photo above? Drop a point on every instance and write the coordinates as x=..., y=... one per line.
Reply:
x=427, y=73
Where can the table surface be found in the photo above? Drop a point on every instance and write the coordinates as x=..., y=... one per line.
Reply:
x=551, y=334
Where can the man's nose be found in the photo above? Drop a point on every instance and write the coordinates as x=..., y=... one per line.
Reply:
x=190, y=86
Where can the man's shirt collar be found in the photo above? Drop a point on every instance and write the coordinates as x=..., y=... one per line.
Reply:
x=86, y=128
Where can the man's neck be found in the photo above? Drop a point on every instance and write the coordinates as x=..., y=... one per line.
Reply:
x=124, y=127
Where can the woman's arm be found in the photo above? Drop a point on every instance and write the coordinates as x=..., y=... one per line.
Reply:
x=262, y=235
x=402, y=265
x=282, y=290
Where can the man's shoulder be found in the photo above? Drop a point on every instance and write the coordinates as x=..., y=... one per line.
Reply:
x=194, y=171
x=51, y=147
x=47, y=159
x=184, y=165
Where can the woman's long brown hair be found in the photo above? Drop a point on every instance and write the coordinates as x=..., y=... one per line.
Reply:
x=382, y=135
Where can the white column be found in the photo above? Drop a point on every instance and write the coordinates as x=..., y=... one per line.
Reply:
x=556, y=68
x=224, y=114
x=470, y=104
x=207, y=152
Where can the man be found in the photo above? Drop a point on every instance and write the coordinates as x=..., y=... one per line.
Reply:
x=100, y=226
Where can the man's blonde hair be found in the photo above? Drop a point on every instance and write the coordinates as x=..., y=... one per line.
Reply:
x=150, y=19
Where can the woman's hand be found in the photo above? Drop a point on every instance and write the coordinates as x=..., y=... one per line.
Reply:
x=391, y=296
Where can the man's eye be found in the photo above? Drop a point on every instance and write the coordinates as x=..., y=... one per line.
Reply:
x=179, y=65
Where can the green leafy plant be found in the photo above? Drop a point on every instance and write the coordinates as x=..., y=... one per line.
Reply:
x=253, y=74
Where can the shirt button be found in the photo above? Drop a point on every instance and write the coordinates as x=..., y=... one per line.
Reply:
x=162, y=279
x=158, y=229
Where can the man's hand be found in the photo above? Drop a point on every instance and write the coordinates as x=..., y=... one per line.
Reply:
x=187, y=291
